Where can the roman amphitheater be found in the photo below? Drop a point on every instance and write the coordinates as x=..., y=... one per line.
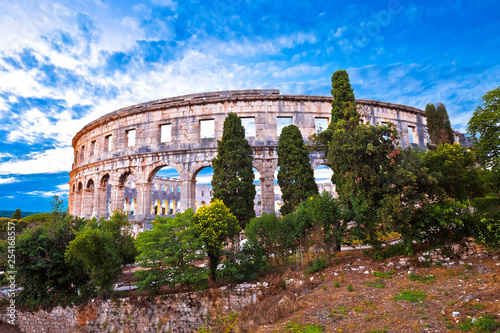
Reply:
x=118, y=156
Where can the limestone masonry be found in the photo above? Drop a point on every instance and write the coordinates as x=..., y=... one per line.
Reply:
x=117, y=156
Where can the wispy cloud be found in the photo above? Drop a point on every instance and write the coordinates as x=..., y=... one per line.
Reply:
x=49, y=161
x=8, y=180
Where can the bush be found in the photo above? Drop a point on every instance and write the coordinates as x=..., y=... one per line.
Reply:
x=316, y=265
x=490, y=206
x=410, y=296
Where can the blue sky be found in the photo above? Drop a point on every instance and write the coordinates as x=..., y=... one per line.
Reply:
x=63, y=64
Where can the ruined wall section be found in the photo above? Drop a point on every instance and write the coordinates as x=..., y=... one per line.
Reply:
x=103, y=156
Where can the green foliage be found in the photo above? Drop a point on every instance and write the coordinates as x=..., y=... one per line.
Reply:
x=47, y=278
x=17, y=215
x=215, y=225
x=167, y=253
x=295, y=176
x=362, y=161
x=19, y=225
x=378, y=283
x=350, y=288
x=382, y=275
x=416, y=277
x=454, y=167
x=293, y=327
x=37, y=218
x=485, y=127
x=316, y=265
x=489, y=206
x=233, y=176
x=343, y=103
x=246, y=265
x=413, y=296
x=102, y=249
x=271, y=236
x=487, y=323
x=438, y=125
x=485, y=231
x=323, y=215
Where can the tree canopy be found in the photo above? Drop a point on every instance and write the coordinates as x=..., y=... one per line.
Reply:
x=438, y=125
x=344, y=103
x=295, y=176
x=233, y=176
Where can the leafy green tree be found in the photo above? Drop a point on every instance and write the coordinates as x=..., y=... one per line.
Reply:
x=233, y=176
x=17, y=215
x=47, y=278
x=103, y=248
x=344, y=103
x=363, y=160
x=295, y=176
x=325, y=218
x=167, y=253
x=456, y=171
x=216, y=224
x=438, y=125
x=485, y=127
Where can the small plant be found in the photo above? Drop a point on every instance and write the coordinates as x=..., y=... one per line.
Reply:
x=424, y=317
x=342, y=309
x=410, y=296
x=479, y=306
x=316, y=265
x=383, y=330
x=416, y=277
x=438, y=264
x=342, y=279
x=486, y=323
x=378, y=283
x=454, y=302
x=336, y=284
x=350, y=288
x=358, y=309
x=466, y=326
x=382, y=275
x=324, y=287
x=304, y=328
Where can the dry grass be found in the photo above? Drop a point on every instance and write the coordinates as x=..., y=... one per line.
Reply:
x=471, y=289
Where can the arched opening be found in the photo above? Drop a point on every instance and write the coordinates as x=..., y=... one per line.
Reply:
x=164, y=180
x=258, y=192
x=132, y=206
x=323, y=176
x=128, y=183
x=278, y=201
x=203, y=183
x=171, y=207
x=105, y=199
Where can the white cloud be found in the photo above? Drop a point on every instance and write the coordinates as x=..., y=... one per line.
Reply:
x=49, y=161
x=166, y=3
x=339, y=32
x=63, y=187
x=8, y=180
x=47, y=194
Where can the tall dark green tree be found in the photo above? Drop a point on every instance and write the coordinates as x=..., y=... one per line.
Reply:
x=295, y=176
x=233, y=176
x=344, y=103
x=17, y=215
x=438, y=125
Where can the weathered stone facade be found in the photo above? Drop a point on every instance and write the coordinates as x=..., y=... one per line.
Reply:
x=183, y=312
x=139, y=140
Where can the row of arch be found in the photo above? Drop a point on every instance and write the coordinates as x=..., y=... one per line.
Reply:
x=143, y=197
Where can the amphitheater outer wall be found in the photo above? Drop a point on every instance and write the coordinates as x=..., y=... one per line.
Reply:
x=104, y=160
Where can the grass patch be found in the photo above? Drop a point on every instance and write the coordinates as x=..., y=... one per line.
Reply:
x=383, y=330
x=336, y=284
x=486, y=323
x=410, y=296
x=378, y=283
x=304, y=328
x=416, y=277
x=383, y=275
x=350, y=288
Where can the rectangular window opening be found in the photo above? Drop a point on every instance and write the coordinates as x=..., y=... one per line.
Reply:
x=249, y=125
x=320, y=124
x=82, y=153
x=107, y=143
x=411, y=134
x=131, y=138
x=166, y=133
x=207, y=129
x=282, y=123
x=92, y=148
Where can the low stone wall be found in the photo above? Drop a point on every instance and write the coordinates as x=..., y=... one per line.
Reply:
x=183, y=312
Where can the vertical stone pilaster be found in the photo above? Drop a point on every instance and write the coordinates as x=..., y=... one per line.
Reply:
x=101, y=202
x=117, y=197
x=143, y=206
x=88, y=202
x=188, y=194
x=77, y=203
x=267, y=192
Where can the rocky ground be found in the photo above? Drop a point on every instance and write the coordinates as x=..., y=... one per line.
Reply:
x=398, y=295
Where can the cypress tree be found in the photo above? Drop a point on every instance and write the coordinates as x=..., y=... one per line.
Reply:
x=438, y=125
x=446, y=131
x=232, y=181
x=344, y=103
x=295, y=176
